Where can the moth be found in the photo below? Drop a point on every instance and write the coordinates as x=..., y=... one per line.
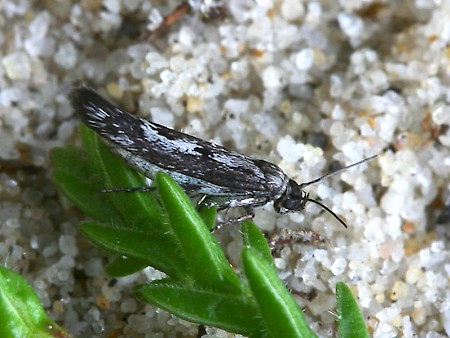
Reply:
x=202, y=168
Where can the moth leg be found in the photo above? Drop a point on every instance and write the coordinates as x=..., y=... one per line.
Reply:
x=224, y=206
x=201, y=203
x=247, y=216
x=130, y=189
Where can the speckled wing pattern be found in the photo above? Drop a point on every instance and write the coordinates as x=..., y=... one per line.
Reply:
x=199, y=166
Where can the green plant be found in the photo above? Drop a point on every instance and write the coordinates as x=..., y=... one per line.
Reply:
x=165, y=231
x=21, y=312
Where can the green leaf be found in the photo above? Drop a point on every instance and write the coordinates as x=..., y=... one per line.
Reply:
x=205, y=260
x=233, y=313
x=156, y=248
x=209, y=216
x=280, y=312
x=254, y=238
x=350, y=320
x=123, y=266
x=139, y=209
x=21, y=312
x=73, y=175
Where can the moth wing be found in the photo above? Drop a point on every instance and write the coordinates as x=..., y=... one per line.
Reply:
x=199, y=166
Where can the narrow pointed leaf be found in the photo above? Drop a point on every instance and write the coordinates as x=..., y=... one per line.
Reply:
x=209, y=216
x=74, y=177
x=207, y=264
x=140, y=209
x=281, y=313
x=233, y=313
x=123, y=266
x=350, y=321
x=21, y=312
x=158, y=249
x=254, y=238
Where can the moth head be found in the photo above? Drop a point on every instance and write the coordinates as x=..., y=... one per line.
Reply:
x=293, y=199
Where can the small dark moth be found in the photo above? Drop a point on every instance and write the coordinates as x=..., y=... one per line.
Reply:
x=200, y=167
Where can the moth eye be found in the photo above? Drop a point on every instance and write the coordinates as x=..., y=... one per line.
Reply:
x=293, y=203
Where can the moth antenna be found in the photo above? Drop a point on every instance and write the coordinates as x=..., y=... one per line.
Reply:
x=337, y=172
x=323, y=206
x=327, y=209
